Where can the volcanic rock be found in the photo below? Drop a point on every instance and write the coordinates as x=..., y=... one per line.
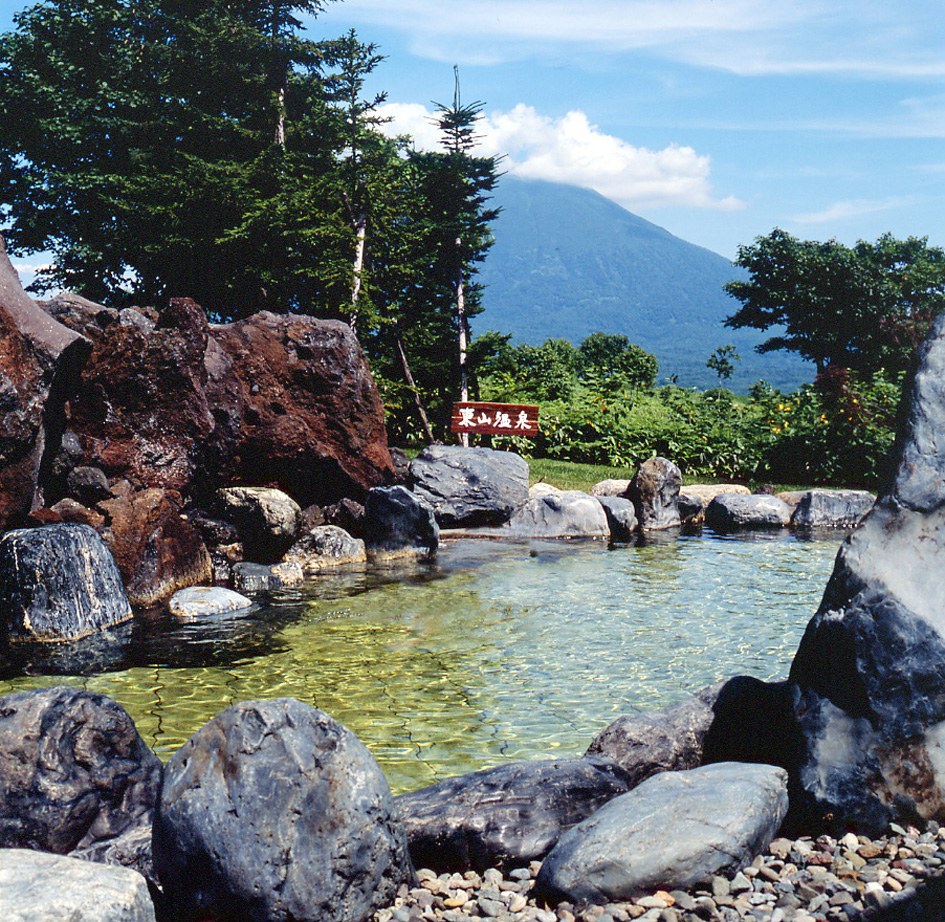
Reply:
x=654, y=491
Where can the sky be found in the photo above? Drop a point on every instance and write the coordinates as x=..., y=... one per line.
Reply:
x=716, y=119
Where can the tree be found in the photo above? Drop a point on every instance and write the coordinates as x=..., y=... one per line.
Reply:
x=863, y=308
x=190, y=138
x=721, y=363
x=613, y=355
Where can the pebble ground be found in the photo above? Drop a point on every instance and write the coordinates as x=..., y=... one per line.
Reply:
x=801, y=880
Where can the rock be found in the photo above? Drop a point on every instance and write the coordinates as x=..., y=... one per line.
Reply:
x=40, y=362
x=708, y=491
x=272, y=810
x=654, y=491
x=677, y=829
x=610, y=488
x=470, y=487
x=398, y=523
x=831, y=508
x=156, y=550
x=141, y=410
x=268, y=520
x=204, y=601
x=691, y=509
x=58, y=583
x=506, y=816
x=254, y=578
x=81, y=891
x=791, y=497
x=296, y=408
x=559, y=514
x=88, y=485
x=660, y=741
x=326, y=546
x=621, y=518
x=871, y=684
x=346, y=514
x=69, y=510
x=222, y=541
x=733, y=511
x=74, y=773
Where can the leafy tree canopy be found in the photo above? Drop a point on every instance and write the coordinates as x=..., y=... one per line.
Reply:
x=864, y=308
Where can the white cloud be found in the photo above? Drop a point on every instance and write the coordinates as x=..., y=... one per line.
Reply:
x=572, y=150
x=841, y=211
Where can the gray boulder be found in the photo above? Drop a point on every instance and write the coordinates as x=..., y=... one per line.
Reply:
x=667, y=740
x=559, y=514
x=75, y=776
x=870, y=669
x=734, y=511
x=621, y=517
x=678, y=829
x=326, y=546
x=610, y=487
x=654, y=491
x=506, y=816
x=274, y=811
x=59, y=582
x=268, y=520
x=470, y=487
x=397, y=523
x=38, y=887
x=831, y=508
x=253, y=578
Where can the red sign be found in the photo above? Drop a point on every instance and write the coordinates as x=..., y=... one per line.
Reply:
x=495, y=419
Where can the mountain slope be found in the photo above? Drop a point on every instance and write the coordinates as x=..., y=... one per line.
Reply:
x=567, y=262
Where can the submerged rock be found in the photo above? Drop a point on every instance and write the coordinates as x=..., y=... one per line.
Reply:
x=204, y=601
x=677, y=829
x=273, y=810
x=58, y=582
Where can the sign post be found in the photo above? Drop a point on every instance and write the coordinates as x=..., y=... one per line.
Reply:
x=494, y=419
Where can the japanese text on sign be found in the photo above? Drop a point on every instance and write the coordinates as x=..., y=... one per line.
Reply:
x=494, y=419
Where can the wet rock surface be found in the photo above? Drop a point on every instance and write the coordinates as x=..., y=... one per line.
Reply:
x=58, y=582
x=398, y=523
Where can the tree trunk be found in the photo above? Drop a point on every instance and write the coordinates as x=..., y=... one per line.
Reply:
x=360, y=248
x=408, y=376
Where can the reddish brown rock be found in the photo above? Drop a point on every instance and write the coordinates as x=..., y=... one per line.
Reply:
x=156, y=551
x=39, y=364
x=141, y=410
x=296, y=408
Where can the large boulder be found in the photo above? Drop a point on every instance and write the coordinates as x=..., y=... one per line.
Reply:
x=58, y=582
x=75, y=776
x=296, y=408
x=678, y=829
x=505, y=816
x=654, y=490
x=469, y=487
x=621, y=517
x=326, y=546
x=156, y=550
x=735, y=511
x=39, y=887
x=274, y=811
x=870, y=669
x=40, y=361
x=397, y=523
x=141, y=411
x=831, y=508
x=559, y=514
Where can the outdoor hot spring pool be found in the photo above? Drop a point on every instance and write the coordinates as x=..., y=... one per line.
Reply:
x=497, y=651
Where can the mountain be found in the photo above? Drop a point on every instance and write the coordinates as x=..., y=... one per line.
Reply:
x=568, y=262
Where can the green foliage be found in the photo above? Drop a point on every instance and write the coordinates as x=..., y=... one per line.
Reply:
x=864, y=308
x=721, y=362
x=611, y=355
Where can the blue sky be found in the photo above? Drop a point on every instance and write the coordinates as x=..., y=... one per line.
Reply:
x=717, y=119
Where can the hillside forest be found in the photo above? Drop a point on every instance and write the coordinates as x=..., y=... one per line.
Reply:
x=210, y=150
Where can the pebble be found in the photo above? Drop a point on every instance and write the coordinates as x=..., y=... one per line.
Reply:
x=850, y=879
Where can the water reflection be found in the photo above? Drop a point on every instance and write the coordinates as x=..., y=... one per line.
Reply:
x=496, y=651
